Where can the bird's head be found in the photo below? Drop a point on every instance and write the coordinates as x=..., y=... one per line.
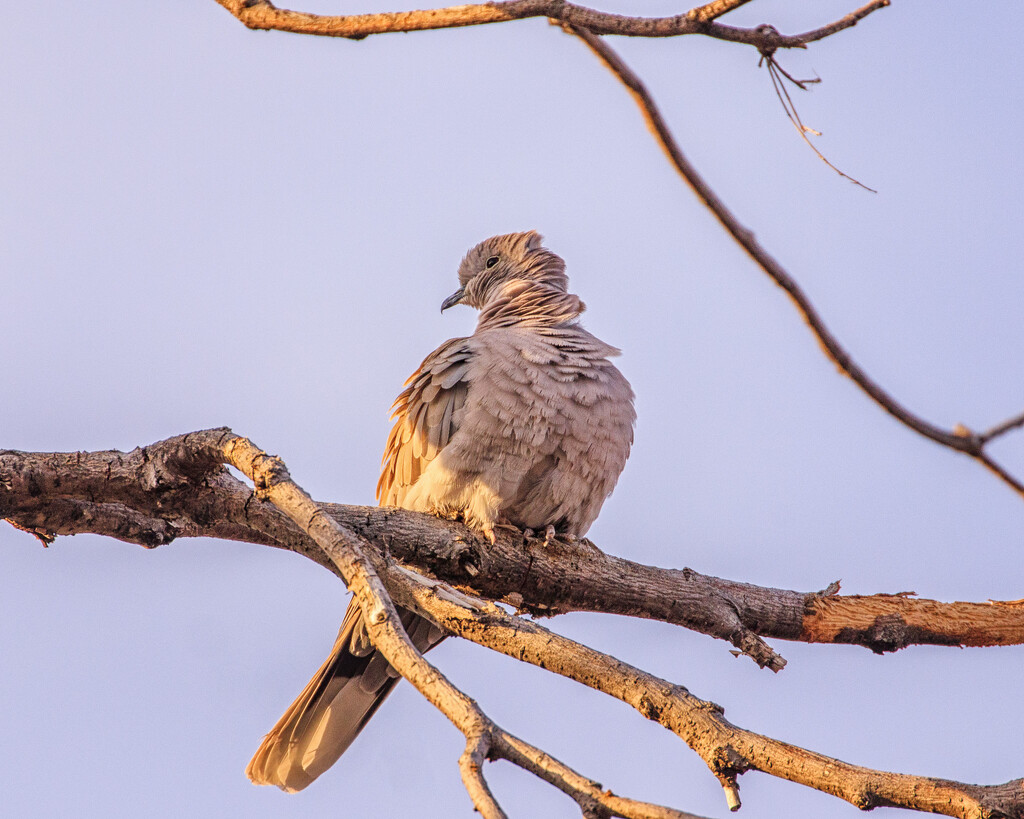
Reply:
x=502, y=259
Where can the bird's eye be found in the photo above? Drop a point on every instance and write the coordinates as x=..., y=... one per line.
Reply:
x=491, y=262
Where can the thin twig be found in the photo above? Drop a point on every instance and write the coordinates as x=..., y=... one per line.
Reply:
x=589, y=795
x=1002, y=429
x=848, y=21
x=778, y=76
x=759, y=38
x=968, y=444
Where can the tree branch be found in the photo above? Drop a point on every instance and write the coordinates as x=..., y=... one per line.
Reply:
x=589, y=795
x=170, y=489
x=264, y=15
x=959, y=439
x=764, y=36
x=714, y=10
x=1002, y=429
x=727, y=749
x=180, y=485
x=350, y=554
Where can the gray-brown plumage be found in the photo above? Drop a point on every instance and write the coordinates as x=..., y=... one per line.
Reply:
x=526, y=422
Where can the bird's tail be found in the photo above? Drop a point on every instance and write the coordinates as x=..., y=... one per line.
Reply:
x=333, y=708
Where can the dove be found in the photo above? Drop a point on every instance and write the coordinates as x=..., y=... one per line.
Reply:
x=526, y=423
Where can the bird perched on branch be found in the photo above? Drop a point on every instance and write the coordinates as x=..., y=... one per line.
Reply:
x=525, y=423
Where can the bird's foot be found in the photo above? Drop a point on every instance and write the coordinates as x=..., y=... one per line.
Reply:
x=533, y=534
x=550, y=538
x=501, y=524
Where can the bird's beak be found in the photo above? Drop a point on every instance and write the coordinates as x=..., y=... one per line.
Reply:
x=453, y=299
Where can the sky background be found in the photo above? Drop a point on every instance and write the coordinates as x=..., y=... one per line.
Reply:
x=202, y=225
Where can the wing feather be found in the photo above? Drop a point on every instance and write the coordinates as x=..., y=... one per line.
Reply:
x=426, y=417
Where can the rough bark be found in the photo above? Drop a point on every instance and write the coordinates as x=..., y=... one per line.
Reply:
x=180, y=488
x=164, y=491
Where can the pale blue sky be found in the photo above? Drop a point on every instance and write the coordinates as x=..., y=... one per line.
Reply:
x=203, y=225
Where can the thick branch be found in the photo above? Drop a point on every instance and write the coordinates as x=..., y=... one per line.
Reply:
x=889, y=622
x=174, y=489
x=155, y=482
x=262, y=14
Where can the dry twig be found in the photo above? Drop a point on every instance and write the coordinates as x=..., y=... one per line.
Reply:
x=779, y=77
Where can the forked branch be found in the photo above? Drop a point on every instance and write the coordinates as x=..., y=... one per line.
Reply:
x=727, y=749
x=264, y=15
x=960, y=438
x=166, y=490
x=179, y=488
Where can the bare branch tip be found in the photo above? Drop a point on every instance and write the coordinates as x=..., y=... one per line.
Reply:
x=732, y=796
x=477, y=751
